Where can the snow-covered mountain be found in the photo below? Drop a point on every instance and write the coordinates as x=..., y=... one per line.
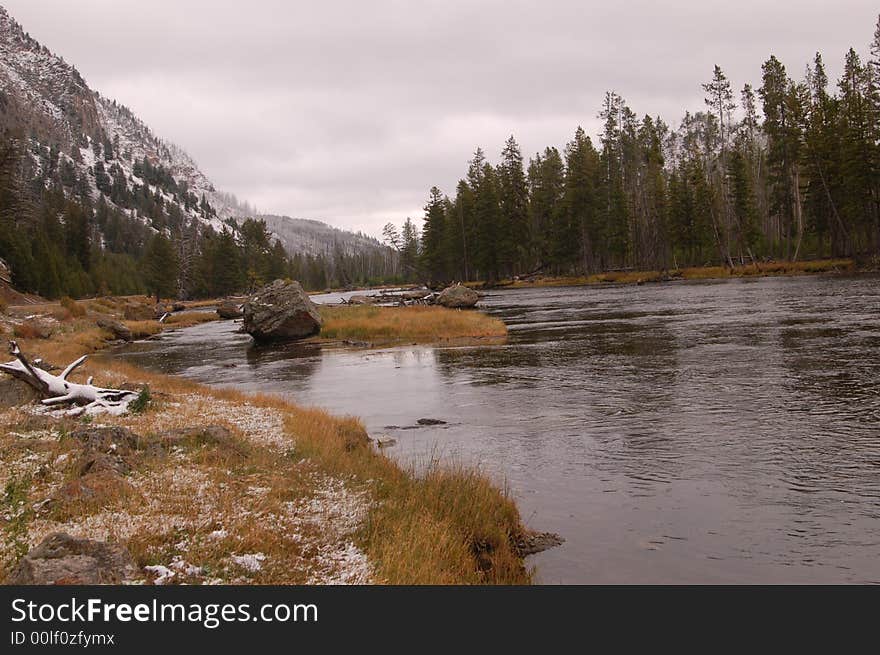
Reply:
x=98, y=147
x=310, y=237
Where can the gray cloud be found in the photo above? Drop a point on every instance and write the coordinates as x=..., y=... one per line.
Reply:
x=349, y=111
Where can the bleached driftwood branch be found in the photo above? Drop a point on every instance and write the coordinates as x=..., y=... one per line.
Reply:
x=56, y=390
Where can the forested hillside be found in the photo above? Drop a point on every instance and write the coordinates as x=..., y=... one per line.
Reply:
x=92, y=202
x=790, y=170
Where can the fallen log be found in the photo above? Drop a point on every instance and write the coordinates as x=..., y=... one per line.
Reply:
x=56, y=390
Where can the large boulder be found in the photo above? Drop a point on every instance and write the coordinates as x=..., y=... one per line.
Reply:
x=281, y=311
x=458, y=297
x=117, y=329
x=62, y=559
x=229, y=309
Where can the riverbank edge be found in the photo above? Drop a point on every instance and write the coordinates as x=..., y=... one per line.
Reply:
x=843, y=266
x=449, y=525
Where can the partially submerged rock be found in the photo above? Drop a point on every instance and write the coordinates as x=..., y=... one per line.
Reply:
x=281, y=311
x=458, y=297
x=537, y=542
x=62, y=559
x=229, y=309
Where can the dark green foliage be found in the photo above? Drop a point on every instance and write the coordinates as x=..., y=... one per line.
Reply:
x=140, y=404
x=433, y=239
x=727, y=187
x=160, y=267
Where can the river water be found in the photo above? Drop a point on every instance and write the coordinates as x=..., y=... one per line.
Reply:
x=715, y=432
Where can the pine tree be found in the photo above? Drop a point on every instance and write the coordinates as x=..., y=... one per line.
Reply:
x=613, y=209
x=225, y=272
x=410, y=250
x=574, y=232
x=433, y=257
x=546, y=204
x=781, y=134
x=160, y=267
x=487, y=217
x=514, y=219
x=857, y=207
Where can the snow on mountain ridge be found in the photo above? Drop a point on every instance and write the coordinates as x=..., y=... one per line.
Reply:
x=45, y=98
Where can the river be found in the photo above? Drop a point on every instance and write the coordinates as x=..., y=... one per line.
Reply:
x=712, y=432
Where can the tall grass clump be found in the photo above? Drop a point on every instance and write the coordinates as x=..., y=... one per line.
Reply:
x=76, y=309
x=407, y=324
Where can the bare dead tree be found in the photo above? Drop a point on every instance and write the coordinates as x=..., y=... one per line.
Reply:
x=57, y=390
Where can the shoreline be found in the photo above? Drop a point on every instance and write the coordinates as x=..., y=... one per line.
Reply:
x=758, y=269
x=279, y=464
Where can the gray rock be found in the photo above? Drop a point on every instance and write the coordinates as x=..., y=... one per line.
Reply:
x=430, y=421
x=362, y=300
x=229, y=309
x=203, y=434
x=15, y=393
x=537, y=542
x=117, y=329
x=102, y=463
x=62, y=559
x=107, y=438
x=281, y=311
x=458, y=297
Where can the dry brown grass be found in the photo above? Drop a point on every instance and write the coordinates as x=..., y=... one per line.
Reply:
x=188, y=319
x=447, y=526
x=387, y=325
x=30, y=330
x=143, y=329
x=758, y=269
x=76, y=309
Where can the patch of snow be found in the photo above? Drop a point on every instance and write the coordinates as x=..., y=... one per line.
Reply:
x=252, y=562
x=165, y=574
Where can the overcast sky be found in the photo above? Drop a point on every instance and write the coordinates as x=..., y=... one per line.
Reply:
x=349, y=112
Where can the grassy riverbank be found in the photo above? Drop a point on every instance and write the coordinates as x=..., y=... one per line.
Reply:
x=294, y=495
x=417, y=324
x=765, y=269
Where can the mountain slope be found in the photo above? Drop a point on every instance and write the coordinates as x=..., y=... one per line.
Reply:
x=311, y=237
x=96, y=148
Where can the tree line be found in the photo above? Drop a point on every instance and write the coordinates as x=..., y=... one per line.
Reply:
x=137, y=237
x=790, y=170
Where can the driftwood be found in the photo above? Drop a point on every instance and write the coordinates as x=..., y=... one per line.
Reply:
x=403, y=298
x=56, y=390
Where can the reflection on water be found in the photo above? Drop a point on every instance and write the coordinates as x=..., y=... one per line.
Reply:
x=713, y=432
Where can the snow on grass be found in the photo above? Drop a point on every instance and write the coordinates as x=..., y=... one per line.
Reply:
x=262, y=426
x=191, y=508
x=252, y=562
